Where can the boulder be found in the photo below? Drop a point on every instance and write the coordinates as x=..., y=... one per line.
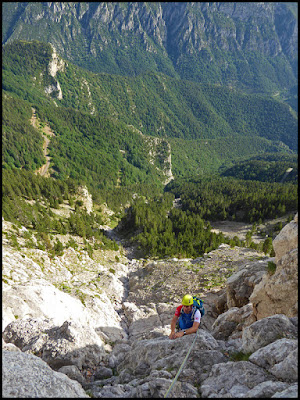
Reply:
x=25, y=375
x=287, y=369
x=230, y=323
x=273, y=353
x=266, y=390
x=278, y=293
x=152, y=386
x=286, y=240
x=240, y=285
x=280, y=358
x=118, y=354
x=148, y=355
x=73, y=373
x=58, y=346
x=233, y=379
x=103, y=373
x=267, y=330
x=290, y=392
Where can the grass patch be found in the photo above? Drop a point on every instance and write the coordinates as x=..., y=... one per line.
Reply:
x=271, y=268
x=240, y=356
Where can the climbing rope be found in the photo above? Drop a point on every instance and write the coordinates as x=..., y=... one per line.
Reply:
x=181, y=367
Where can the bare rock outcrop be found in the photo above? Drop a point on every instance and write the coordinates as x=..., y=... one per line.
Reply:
x=58, y=346
x=267, y=330
x=240, y=285
x=278, y=293
x=231, y=323
x=34, y=378
x=86, y=198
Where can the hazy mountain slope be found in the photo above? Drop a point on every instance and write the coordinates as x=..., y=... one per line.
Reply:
x=248, y=45
x=120, y=118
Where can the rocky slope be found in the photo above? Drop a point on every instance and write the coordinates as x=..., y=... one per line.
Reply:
x=99, y=327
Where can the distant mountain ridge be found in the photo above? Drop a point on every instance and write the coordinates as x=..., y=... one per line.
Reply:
x=252, y=46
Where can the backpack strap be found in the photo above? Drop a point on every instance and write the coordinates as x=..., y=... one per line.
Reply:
x=194, y=309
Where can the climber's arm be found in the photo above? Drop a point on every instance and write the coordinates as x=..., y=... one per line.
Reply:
x=173, y=326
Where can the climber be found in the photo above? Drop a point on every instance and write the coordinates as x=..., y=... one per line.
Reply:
x=187, y=318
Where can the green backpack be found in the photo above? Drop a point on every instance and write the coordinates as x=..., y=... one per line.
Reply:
x=198, y=303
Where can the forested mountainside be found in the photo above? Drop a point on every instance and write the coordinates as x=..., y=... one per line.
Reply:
x=215, y=123
x=252, y=46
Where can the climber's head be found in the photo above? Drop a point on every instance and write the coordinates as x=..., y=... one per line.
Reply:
x=187, y=303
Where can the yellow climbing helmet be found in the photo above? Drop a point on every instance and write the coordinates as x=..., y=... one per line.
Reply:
x=187, y=300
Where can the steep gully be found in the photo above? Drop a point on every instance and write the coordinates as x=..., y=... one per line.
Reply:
x=46, y=131
x=129, y=254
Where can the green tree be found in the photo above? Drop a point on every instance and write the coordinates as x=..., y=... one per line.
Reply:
x=267, y=245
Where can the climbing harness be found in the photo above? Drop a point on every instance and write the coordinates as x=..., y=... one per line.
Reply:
x=181, y=367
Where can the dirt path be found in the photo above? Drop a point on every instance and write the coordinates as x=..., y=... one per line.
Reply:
x=45, y=131
x=233, y=228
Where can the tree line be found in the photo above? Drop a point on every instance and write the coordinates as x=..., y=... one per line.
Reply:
x=224, y=198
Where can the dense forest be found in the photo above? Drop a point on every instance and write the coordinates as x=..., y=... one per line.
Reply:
x=222, y=198
x=266, y=168
x=160, y=230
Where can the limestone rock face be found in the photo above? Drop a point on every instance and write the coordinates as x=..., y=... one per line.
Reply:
x=278, y=293
x=240, y=285
x=69, y=344
x=279, y=358
x=266, y=331
x=34, y=378
x=230, y=324
x=86, y=198
x=243, y=376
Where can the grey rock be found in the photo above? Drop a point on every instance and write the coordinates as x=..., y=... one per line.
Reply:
x=158, y=388
x=273, y=353
x=230, y=323
x=289, y=393
x=118, y=354
x=266, y=389
x=117, y=390
x=234, y=378
x=266, y=331
x=9, y=346
x=68, y=344
x=240, y=285
x=287, y=369
x=24, y=332
x=73, y=373
x=278, y=293
x=25, y=375
x=103, y=373
x=158, y=353
x=294, y=320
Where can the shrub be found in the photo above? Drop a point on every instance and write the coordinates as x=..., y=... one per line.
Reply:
x=240, y=356
x=271, y=267
x=72, y=243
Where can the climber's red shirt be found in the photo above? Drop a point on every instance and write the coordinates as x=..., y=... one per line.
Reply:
x=178, y=310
